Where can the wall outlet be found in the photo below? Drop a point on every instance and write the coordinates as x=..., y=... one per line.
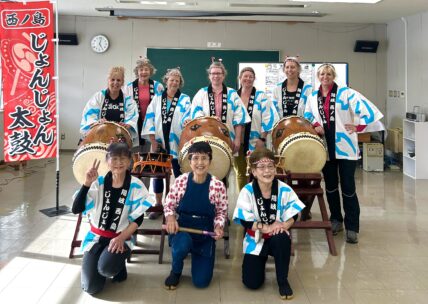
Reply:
x=62, y=136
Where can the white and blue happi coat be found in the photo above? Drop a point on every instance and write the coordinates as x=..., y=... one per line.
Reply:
x=92, y=113
x=351, y=107
x=263, y=119
x=277, y=99
x=236, y=112
x=137, y=202
x=288, y=205
x=157, y=86
x=153, y=122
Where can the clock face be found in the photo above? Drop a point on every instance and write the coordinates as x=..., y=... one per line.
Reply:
x=99, y=44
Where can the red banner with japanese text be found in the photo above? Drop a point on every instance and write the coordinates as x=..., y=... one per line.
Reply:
x=27, y=59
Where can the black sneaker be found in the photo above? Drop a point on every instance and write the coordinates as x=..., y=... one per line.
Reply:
x=285, y=291
x=336, y=227
x=172, y=281
x=351, y=237
x=121, y=276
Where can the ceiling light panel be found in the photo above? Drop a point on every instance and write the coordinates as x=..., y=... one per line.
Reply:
x=341, y=1
x=260, y=5
x=161, y=3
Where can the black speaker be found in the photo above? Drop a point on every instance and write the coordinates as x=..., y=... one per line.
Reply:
x=366, y=46
x=67, y=39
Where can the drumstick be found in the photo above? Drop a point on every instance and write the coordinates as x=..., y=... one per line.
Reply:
x=195, y=231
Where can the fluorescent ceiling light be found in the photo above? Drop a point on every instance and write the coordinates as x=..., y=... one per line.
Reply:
x=341, y=1
x=197, y=14
x=268, y=5
x=172, y=3
x=154, y=2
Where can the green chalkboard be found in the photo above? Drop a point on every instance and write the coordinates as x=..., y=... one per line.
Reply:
x=193, y=64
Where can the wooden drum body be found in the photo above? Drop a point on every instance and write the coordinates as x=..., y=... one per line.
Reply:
x=300, y=148
x=94, y=146
x=210, y=130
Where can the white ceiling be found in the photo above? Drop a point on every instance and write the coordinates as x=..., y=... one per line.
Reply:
x=381, y=12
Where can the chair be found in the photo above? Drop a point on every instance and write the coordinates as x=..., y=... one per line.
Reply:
x=142, y=231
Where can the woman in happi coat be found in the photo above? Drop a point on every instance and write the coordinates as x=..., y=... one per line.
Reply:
x=115, y=205
x=266, y=208
x=112, y=104
x=290, y=96
x=197, y=200
x=164, y=123
x=263, y=117
x=222, y=102
x=143, y=89
x=338, y=113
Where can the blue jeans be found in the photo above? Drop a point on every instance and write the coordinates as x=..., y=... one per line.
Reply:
x=98, y=264
x=202, y=267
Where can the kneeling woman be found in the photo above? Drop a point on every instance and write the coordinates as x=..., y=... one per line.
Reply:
x=115, y=205
x=266, y=208
x=197, y=200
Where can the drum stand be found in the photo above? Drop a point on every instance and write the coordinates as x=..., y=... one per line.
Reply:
x=146, y=231
x=308, y=186
x=143, y=231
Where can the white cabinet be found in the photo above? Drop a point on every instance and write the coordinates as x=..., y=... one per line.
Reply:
x=415, y=149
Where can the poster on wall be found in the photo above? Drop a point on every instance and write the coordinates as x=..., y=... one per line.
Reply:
x=27, y=61
x=268, y=75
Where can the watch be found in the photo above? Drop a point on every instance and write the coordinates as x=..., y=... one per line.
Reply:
x=99, y=43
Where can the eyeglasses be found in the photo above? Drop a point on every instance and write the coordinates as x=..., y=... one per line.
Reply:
x=216, y=74
x=268, y=167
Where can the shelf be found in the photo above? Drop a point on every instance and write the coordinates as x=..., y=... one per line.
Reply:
x=405, y=173
x=408, y=157
x=414, y=139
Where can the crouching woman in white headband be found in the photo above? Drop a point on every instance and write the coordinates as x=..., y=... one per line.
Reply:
x=266, y=208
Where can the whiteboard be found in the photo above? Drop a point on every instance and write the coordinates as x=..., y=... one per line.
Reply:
x=268, y=75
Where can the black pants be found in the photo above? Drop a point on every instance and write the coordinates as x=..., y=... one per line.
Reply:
x=98, y=264
x=253, y=266
x=345, y=169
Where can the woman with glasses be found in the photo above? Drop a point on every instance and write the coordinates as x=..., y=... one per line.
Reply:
x=266, y=208
x=115, y=205
x=290, y=96
x=338, y=113
x=197, y=200
x=222, y=102
x=263, y=117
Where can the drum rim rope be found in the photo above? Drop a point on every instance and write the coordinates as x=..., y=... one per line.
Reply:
x=88, y=147
x=187, y=146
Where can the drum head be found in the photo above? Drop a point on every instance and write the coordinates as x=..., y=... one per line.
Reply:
x=84, y=158
x=303, y=153
x=222, y=156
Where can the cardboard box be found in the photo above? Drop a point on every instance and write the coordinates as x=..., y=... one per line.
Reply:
x=364, y=137
x=394, y=140
x=373, y=157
